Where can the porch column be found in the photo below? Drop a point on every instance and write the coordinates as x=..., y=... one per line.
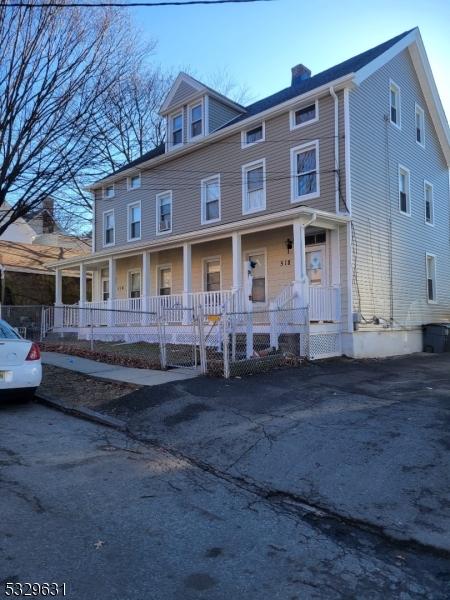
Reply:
x=236, y=240
x=82, y=304
x=111, y=289
x=187, y=281
x=58, y=287
x=146, y=285
x=301, y=284
x=58, y=315
x=335, y=278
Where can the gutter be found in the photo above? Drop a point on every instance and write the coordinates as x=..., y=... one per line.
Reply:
x=340, y=83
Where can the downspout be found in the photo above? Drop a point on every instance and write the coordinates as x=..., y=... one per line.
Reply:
x=336, y=149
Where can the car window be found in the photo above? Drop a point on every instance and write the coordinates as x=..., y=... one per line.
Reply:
x=7, y=332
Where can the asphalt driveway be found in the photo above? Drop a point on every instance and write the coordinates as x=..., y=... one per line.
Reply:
x=366, y=442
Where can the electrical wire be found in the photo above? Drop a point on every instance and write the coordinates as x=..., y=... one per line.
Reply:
x=123, y=4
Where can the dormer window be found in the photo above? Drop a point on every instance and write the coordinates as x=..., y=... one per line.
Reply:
x=195, y=120
x=253, y=135
x=177, y=129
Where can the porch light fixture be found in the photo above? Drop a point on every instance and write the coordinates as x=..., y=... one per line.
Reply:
x=289, y=244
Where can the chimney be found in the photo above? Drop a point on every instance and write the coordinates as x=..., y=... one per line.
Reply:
x=48, y=221
x=299, y=74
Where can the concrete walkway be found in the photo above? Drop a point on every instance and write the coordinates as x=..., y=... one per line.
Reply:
x=116, y=373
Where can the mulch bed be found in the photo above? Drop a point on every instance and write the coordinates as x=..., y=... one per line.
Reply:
x=108, y=357
x=77, y=389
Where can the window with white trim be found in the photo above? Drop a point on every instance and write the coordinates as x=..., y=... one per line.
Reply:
x=108, y=191
x=394, y=104
x=108, y=228
x=165, y=281
x=253, y=135
x=176, y=129
x=403, y=191
x=254, y=187
x=212, y=274
x=134, y=284
x=134, y=221
x=305, y=175
x=210, y=196
x=164, y=212
x=420, y=125
x=428, y=198
x=431, y=277
x=304, y=115
x=134, y=182
x=195, y=120
x=105, y=289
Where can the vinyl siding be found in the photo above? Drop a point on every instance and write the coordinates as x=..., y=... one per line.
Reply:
x=183, y=93
x=183, y=174
x=219, y=114
x=377, y=148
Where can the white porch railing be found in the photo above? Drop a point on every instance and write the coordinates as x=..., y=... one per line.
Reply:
x=324, y=303
x=212, y=303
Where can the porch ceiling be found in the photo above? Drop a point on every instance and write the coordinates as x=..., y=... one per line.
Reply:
x=303, y=214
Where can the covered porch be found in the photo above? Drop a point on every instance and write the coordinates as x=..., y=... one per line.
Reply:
x=284, y=265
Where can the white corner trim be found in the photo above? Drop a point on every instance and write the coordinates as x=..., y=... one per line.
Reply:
x=347, y=154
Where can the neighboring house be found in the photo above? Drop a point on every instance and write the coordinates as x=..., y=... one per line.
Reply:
x=41, y=227
x=333, y=192
x=25, y=276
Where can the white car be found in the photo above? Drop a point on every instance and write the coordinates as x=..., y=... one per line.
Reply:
x=20, y=363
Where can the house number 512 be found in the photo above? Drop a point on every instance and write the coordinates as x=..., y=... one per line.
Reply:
x=285, y=263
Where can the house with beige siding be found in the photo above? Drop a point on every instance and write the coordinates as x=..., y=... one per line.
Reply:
x=332, y=193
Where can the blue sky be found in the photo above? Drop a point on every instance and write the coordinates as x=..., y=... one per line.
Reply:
x=258, y=43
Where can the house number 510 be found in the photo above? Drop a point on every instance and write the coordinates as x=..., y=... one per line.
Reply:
x=285, y=263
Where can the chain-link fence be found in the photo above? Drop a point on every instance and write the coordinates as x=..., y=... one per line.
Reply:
x=231, y=344
x=244, y=343
x=27, y=319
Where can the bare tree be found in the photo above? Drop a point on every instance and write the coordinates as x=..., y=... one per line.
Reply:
x=57, y=66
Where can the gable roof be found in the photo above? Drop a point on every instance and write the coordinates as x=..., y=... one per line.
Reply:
x=359, y=66
x=185, y=87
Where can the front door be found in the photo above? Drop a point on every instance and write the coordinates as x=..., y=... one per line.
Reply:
x=315, y=265
x=256, y=279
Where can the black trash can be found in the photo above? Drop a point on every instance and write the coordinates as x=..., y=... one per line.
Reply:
x=436, y=337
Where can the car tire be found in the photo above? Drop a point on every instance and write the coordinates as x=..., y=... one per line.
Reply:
x=26, y=395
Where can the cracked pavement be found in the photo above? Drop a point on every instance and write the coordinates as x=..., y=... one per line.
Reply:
x=329, y=481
